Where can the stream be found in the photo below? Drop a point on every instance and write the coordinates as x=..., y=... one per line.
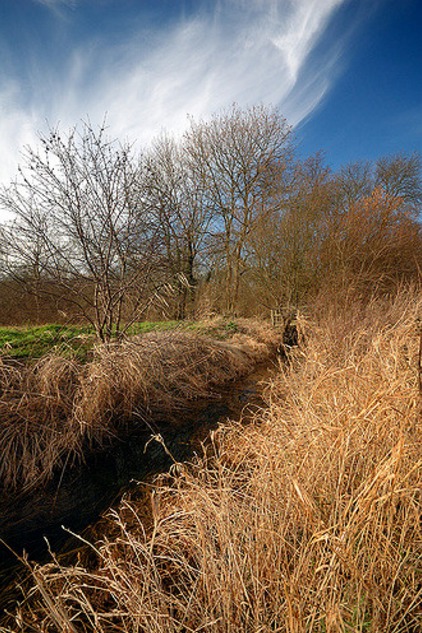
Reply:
x=33, y=522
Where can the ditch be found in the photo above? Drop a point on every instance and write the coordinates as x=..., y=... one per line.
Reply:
x=32, y=525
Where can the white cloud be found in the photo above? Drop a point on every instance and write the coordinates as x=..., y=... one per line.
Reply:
x=246, y=51
x=18, y=127
x=55, y=4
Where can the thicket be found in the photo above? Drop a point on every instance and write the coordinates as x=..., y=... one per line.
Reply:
x=224, y=220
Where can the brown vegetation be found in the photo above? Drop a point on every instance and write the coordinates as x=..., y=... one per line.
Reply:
x=18, y=307
x=224, y=220
x=37, y=432
x=54, y=410
x=306, y=520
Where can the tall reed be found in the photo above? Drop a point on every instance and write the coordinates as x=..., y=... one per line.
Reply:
x=305, y=520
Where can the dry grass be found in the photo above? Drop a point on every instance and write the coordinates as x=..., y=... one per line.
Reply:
x=37, y=432
x=164, y=373
x=52, y=411
x=307, y=520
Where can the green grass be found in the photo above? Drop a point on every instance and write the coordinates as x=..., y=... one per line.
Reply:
x=77, y=341
x=35, y=341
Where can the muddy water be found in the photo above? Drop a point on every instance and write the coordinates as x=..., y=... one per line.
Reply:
x=34, y=523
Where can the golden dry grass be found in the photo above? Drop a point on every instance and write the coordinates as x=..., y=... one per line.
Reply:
x=37, y=433
x=307, y=520
x=53, y=411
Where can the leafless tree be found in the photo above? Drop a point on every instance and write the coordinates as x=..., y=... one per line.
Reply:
x=400, y=176
x=239, y=157
x=81, y=232
x=286, y=245
x=178, y=203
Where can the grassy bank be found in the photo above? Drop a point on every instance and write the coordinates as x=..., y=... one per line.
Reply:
x=56, y=409
x=307, y=520
x=72, y=341
x=34, y=342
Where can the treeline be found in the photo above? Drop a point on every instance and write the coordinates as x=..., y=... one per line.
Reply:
x=225, y=219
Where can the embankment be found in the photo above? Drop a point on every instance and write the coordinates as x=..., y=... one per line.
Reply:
x=55, y=411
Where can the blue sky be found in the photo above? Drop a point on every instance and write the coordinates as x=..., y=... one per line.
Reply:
x=345, y=73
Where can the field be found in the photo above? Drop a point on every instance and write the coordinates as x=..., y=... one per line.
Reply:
x=306, y=519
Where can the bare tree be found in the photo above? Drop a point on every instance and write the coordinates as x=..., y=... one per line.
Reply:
x=400, y=176
x=238, y=157
x=286, y=245
x=372, y=237
x=80, y=230
x=178, y=203
x=354, y=182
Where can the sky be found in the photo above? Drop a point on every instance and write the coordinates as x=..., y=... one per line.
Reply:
x=346, y=74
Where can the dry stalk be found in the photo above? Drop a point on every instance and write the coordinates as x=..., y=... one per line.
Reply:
x=306, y=520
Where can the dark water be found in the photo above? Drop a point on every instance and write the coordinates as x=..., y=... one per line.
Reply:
x=84, y=492
x=33, y=523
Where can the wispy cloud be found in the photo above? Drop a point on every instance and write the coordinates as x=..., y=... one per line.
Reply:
x=246, y=51
x=54, y=4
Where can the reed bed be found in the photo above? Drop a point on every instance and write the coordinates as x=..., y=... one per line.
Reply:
x=306, y=520
x=55, y=410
